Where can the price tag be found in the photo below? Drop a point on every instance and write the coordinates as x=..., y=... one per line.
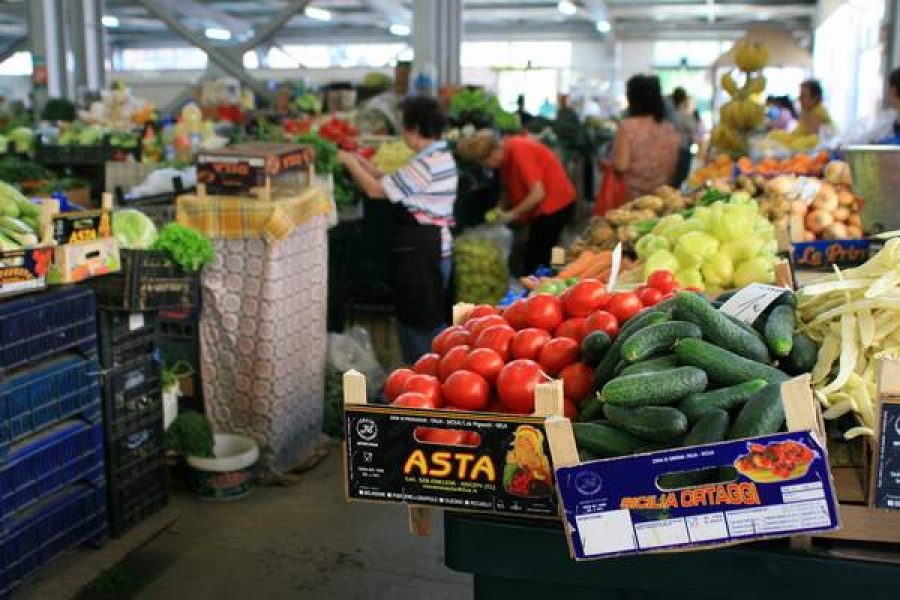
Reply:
x=887, y=458
x=750, y=302
x=616, y=265
x=135, y=321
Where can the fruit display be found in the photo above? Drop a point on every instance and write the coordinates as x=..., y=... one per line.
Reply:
x=684, y=373
x=482, y=275
x=855, y=316
x=742, y=114
x=824, y=209
x=727, y=244
x=391, y=156
x=798, y=164
x=603, y=233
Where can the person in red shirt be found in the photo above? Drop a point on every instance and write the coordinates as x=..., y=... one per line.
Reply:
x=537, y=189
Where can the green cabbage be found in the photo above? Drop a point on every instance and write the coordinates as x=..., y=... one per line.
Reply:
x=133, y=229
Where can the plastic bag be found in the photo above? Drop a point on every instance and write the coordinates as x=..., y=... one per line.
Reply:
x=481, y=256
x=353, y=350
x=161, y=182
x=612, y=191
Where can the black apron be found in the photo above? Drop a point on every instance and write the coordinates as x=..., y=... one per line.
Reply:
x=418, y=284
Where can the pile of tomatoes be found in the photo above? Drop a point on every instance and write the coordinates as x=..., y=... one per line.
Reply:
x=493, y=361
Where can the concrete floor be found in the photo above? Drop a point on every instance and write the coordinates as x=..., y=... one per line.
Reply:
x=300, y=542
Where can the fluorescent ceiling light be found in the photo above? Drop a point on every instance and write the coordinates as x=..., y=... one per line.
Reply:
x=567, y=7
x=318, y=14
x=603, y=26
x=214, y=33
x=110, y=21
x=401, y=30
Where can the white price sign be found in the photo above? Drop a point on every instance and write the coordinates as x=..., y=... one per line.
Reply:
x=614, y=268
x=750, y=302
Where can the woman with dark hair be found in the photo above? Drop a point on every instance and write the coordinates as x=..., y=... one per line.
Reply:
x=422, y=193
x=813, y=114
x=645, y=151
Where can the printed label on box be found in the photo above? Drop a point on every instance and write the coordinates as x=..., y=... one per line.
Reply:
x=465, y=461
x=887, y=465
x=824, y=253
x=687, y=498
x=24, y=270
x=73, y=228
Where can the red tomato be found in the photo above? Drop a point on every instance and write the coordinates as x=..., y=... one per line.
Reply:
x=578, y=381
x=452, y=361
x=516, y=314
x=662, y=280
x=473, y=439
x=667, y=296
x=466, y=389
x=427, y=364
x=414, y=400
x=426, y=385
x=495, y=406
x=482, y=323
x=570, y=410
x=557, y=354
x=601, y=321
x=544, y=312
x=483, y=310
x=650, y=296
x=447, y=437
x=528, y=343
x=515, y=385
x=485, y=362
x=585, y=297
x=624, y=305
x=448, y=338
x=497, y=338
x=696, y=290
x=571, y=328
x=395, y=383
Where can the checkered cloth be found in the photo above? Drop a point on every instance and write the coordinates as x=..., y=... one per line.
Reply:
x=232, y=217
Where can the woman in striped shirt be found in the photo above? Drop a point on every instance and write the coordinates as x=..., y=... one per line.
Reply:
x=422, y=193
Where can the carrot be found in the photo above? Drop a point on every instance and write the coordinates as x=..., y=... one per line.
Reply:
x=600, y=267
x=577, y=266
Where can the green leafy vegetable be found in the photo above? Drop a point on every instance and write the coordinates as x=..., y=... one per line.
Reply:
x=187, y=247
x=133, y=229
x=191, y=435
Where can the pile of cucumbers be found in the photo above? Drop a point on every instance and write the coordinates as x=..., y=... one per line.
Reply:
x=683, y=373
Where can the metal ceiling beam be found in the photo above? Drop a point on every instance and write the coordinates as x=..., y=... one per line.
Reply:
x=702, y=11
x=279, y=20
x=208, y=14
x=233, y=67
x=17, y=45
x=392, y=10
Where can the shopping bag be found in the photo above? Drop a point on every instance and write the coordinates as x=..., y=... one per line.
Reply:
x=612, y=191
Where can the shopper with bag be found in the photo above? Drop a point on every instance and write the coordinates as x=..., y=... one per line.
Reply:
x=537, y=190
x=422, y=193
x=645, y=150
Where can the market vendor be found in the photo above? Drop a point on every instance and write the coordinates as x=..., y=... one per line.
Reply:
x=422, y=193
x=813, y=114
x=537, y=189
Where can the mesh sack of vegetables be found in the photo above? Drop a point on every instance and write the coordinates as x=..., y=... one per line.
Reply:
x=480, y=263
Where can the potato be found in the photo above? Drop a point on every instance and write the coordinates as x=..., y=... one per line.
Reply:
x=826, y=198
x=854, y=233
x=835, y=231
x=845, y=197
x=799, y=208
x=809, y=236
x=653, y=203
x=841, y=214
x=818, y=220
x=854, y=221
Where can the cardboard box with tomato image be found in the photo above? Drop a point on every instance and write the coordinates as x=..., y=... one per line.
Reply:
x=23, y=271
x=85, y=246
x=765, y=487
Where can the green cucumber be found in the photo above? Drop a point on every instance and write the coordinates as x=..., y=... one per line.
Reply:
x=718, y=328
x=746, y=327
x=590, y=408
x=763, y=414
x=594, y=347
x=788, y=298
x=652, y=365
x=651, y=423
x=696, y=406
x=722, y=366
x=605, y=370
x=656, y=338
x=803, y=356
x=662, y=387
x=605, y=441
x=779, y=330
x=585, y=455
x=711, y=428
x=726, y=296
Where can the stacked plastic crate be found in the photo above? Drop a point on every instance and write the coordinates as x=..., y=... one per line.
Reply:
x=178, y=334
x=52, y=473
x=133, y=417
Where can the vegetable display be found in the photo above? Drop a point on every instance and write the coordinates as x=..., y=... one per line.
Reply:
x=191, y=435
x=133, y=229
x=855, y=316
x=482, y=275
x=186, y=247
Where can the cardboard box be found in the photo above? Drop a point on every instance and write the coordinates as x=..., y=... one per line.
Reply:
x=24, y=270
x=85, y=245
x=620, y=506
x=240, y=168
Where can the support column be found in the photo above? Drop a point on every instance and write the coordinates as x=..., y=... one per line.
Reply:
x=437, y=35
x=46, y=33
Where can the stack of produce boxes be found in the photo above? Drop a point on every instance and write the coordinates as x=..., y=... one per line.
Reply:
x=132, y=405
x=52, y=476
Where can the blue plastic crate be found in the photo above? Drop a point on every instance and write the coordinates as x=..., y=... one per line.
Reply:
x=73, y=516
x=62, y=455
x=61, y=388
x=40, y=325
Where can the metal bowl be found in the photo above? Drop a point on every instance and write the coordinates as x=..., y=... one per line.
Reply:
x=876, y=179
